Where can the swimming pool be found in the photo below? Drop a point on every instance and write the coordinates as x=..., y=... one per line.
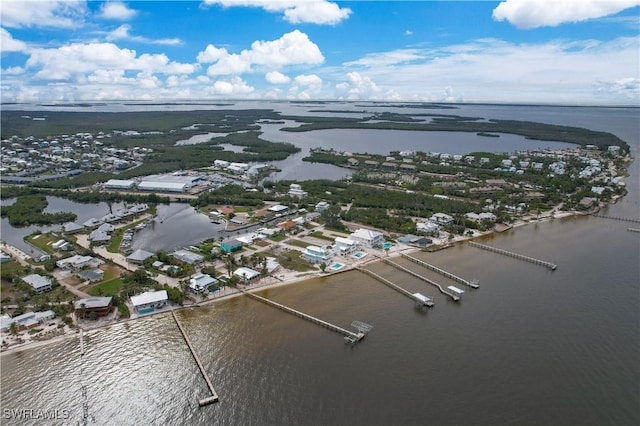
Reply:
x=387, y=245
x=359, y=254
x=145, y=311
x=336, y=266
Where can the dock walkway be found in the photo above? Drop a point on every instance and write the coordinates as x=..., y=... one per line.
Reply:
x=214, y=396
x=472, y=284
x=546, y=264
x=624, y=219
x=420, y=277
x=353, y=337
x=397, y=288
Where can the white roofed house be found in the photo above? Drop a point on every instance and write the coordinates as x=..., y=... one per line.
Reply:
x=71, y=228
x=39, y=283
x=295, y=190
x=139, y=256
x=188, y=257
x=441, y=219
x=99, y=237
x=246, y=274
x=343, y=246
x=317, y=254
x=367, y=237
x=149, y=301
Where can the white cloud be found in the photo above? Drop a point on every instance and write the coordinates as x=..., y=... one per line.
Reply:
x=528, y=14
x=276, y=77
x=293, y=48
x=74, y=61
x=212, y=54
x=320, y=12
x=50, y=13
x=408, y=33
x=308, y=80
x=358, y=87
x=498, y=71
x=122, y=33
x=389, y=58
x=13, y=71
x=10, y=44
x=116, y=10
x=236, y=86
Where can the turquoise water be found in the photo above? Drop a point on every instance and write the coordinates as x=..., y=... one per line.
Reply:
x=145, y=311
x=359, y=255
x=337, y=266
x=387, y=245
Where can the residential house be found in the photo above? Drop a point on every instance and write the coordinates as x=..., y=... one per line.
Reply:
x=202, y=283
x=149, y=301
x=317, y=254
x=39, y=283
x=247, y=274
x=367, y=237
x=344, y=246
x=230, y=245
x=139, y=256
x=188, y=257
x=102, y=306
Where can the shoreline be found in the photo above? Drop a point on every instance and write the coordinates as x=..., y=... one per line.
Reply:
x=295, y=278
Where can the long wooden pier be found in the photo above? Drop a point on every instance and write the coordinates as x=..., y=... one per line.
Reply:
x=633, y=229
x=420, y=277
x=214, y=396
x=624, y=219
x=546, y=264
x=350, y=335
x=418, y=300
x=472, y=284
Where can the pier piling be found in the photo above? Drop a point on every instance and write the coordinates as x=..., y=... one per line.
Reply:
x=624, y=219
x=397, y=288
x=214, y=396
x=425, y=279
x=472, y=284
x=549, y=265
x=353, y=337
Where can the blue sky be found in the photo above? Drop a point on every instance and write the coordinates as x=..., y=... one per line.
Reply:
x=514, y=51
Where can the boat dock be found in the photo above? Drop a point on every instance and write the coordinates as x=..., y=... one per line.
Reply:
x=349, y=335
x=417, y=297
x=472, y=284
x=624, y=219
x=546, y=264
x=214, y=396
x=420, y=277
x=633, y=229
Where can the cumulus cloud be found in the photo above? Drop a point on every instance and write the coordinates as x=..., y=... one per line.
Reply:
x=10, y=44
x=235, y=86
x=116, y=10
x=293, y=48
x=79, y=59
x=122, y=33
x=527, y=14
x=50, y=13
x=358, y=87
x=276, y=77
x=308, y=80
x=321, y=12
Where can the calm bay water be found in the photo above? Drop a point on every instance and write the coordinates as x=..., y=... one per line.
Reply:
x=530, y=347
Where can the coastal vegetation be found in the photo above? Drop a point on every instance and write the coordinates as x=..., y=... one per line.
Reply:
x=29, y=210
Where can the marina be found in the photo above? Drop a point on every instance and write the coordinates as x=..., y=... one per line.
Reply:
x=472, y=284
x=535, y=261
x=420, y=299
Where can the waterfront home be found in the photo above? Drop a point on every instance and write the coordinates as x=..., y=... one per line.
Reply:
x=247, y=274
x=367, y=237
x=317, y=254
x=322, y=206
x=202, y=283
x=149, y=301
x=39, y=283
x=344, y=246
x=72, y=228
x=272, y=265
x=188, y=257
x=102, y=306
x=106, y=228
x=25, y=321
x=477, y=217
x=414, y=240
x=139, y=256
x=230, y=245
x=110, y=218
x=92, y=223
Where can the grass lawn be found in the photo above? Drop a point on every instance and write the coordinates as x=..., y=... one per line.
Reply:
x=298, y=243
x=44, y=241
x=106, y=288
x=319, y=234
x=278, y=238
x=291, y=260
